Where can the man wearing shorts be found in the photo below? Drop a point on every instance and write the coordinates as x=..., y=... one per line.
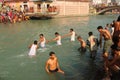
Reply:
x=107, y=40
x=52, y=64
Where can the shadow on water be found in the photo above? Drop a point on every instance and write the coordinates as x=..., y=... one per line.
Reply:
x=3, y=78
x=40, y=18
x=92, y=71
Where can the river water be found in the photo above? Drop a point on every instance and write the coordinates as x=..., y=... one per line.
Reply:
x=15, y=39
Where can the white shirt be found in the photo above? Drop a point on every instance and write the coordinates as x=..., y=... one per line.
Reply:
x=59, y=40
x=32, y=51
x=42, y=44
x=92, y=42
x=73, y=36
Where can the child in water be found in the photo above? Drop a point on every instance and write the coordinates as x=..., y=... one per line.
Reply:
x=33, y=49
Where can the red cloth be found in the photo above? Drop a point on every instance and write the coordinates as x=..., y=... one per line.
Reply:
x=1, y=0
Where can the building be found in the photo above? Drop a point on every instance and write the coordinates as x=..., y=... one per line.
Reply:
x=59, y=7
x=73, y=7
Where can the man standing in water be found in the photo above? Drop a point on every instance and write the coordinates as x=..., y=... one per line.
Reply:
x=52, y=64
x=116, y=34
x=57, y=38
x=107, y=40
x=107, y=43
x=71, y=34
x=33, y=49
x=92, y=40
x=83, y=44
x=42, y=41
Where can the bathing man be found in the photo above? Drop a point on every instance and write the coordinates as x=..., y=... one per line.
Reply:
x=92, y=40
x=57, y=38
x=107, y=40
x=116, y=34
x=72, y=34
x=33, y=49
x=107, y=44
x=52, y=64
x=83, y=44
x=42, y=41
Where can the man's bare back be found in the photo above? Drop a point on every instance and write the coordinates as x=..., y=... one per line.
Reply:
x=106, y=34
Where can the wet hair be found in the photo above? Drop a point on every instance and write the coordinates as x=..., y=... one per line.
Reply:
x=90, y=33
x=51, y=53
x=71, y=29
x=79, y=37
x=115, y=47
x=56, y=33
x=112, y=25
x=118, y=18
x=99, y=27
x=107, y=24
x=116, y=39
x=41, y=35
x=35, y=42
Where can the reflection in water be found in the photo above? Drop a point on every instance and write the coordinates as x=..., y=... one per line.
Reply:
x=15, y=39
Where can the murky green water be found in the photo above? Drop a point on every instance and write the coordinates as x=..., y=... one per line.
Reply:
x=15, y=39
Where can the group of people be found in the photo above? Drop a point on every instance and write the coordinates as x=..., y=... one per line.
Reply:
x=9, y=14
x=111, y=47
x=52, y=64
x=42, y=41
x=52, y=61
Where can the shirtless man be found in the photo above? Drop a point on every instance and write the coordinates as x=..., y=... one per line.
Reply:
x=107, y=40
x=117, y=24
x=83, y=44
x=42, y=41
x=115, y=55
x=113, y=64
x=57, y=38
x=107, y=43
x=52, y=64
x=116, y=33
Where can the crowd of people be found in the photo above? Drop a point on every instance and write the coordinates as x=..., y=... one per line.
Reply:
x=9, y=14
x=52, y=9
x=111, y=48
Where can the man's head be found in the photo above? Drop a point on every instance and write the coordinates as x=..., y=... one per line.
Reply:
x=35, y=42
x=118, y=18
x=99, y=28
x=90, y=33
x=79, y=37
x=115, y=49
x=71, y=30
x=52, y=55
x=41, y=35
x=56, y=33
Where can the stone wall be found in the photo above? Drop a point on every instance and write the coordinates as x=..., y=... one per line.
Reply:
x=68, y=8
